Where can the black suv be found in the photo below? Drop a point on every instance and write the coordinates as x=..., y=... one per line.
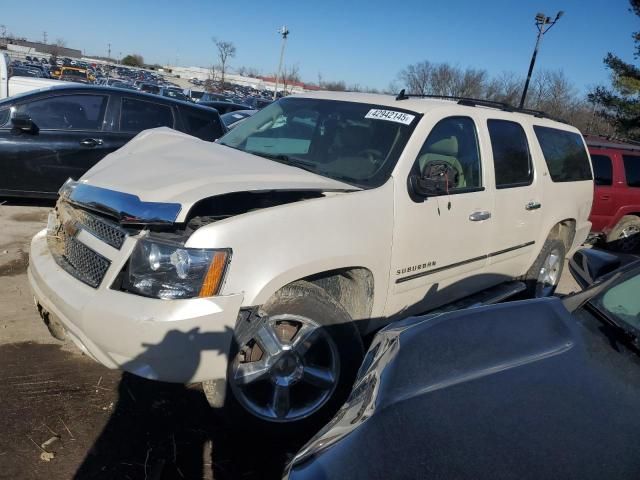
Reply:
x=47, y=136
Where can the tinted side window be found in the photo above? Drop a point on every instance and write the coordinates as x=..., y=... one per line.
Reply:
x=4, y=116
x=511, y=158
x=138, y=115
x=602, y=169
x=632, y=169
x=453, y=142
x=67, y=112
x=202, y=125
x=564, y=153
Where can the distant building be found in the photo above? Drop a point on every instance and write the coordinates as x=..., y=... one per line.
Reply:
x=259, y=83
x=32, y=47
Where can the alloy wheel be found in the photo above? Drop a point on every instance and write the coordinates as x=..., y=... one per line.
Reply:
x=549, y=274
x=287, y=370
x=629, y=238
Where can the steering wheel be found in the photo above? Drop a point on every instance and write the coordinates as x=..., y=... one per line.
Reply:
x=373, y=155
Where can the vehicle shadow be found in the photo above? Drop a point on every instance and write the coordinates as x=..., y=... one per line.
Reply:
x=27, y=202
x=162, y=431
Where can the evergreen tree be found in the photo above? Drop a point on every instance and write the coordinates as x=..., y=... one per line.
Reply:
x=621, y=103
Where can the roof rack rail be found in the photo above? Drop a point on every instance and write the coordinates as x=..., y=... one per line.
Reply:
x=477, y=102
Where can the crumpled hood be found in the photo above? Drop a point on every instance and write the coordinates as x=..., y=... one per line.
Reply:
x=163, y=165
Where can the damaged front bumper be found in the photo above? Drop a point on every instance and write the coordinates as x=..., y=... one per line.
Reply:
x=169, y=340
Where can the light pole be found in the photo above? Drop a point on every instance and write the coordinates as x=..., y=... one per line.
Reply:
x=109, y=59
x=543, y=23
x=285, y=33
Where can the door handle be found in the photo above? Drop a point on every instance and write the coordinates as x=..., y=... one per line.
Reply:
x=479, y=216
x=532, y=206
x=605, y=197
x=91, y=142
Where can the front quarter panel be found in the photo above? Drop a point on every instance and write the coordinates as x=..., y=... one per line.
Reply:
x=276, y=246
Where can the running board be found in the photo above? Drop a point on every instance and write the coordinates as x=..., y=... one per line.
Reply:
x=490, y=296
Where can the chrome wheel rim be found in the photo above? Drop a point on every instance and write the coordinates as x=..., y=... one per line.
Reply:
x=549, y=274
x=287, y=370
x=629, y=238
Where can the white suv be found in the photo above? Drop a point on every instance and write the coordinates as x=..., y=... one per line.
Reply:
x=262, y=262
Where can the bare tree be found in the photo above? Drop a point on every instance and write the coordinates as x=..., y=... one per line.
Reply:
x=58, y=46
x=550, y=91
x=290, y=75
x=417, y=77
x=226, y=50
x=210, y=83
x=338, y=86
x=249, y=71
x=505, y=88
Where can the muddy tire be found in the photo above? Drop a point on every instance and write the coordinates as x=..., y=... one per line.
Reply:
x=625, y=236
x=294, y=367
x=544, y=275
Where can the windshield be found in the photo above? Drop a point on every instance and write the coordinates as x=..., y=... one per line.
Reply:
x=356, y=143
x=74, y=73
x=622, y=303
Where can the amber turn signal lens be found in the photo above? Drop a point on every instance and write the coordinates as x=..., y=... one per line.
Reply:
x=214, y=276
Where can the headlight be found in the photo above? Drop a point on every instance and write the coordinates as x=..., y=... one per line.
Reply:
x=163, y=270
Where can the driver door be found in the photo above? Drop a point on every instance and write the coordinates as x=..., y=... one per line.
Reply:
x=68, y=140
x=441, y=242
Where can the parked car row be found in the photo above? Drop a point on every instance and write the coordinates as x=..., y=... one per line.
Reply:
x=48, y=136
x=616, y=206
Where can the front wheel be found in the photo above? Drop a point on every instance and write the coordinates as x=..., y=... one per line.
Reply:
x=297, y=364
x=544, y=275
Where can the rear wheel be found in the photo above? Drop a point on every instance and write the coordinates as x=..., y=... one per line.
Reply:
x=544, y=275
x=625, y=236
x=296, y=365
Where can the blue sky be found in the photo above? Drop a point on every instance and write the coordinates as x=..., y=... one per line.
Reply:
x=364, y=42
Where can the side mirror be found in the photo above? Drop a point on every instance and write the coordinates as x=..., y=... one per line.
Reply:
x=437, y=178
x=23, y=122
x=427, y=186
x=589, y=265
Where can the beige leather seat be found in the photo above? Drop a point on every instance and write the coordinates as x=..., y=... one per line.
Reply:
x=443, y=150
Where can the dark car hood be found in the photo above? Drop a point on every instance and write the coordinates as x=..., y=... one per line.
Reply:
x=519, y=390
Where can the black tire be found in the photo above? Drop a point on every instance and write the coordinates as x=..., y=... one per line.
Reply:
x=625, y=236
x=537, y=288
x=301, y=299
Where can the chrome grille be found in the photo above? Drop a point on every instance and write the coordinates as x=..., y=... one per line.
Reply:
x=83, y=263
x=109, y=232
x=73, y=256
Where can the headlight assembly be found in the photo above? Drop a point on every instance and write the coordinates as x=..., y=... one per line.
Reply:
x=163, y=270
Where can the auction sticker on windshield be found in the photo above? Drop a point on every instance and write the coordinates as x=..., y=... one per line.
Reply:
x=390, y=115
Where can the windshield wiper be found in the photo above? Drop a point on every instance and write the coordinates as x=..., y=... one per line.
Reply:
x=287, y=160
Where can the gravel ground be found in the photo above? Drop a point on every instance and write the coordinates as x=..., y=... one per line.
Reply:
x=105, y=425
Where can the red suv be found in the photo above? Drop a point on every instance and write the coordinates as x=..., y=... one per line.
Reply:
x=615, y=214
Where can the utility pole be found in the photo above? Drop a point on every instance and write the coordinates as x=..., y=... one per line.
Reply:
x=44, y=37
x=109, y=57
x=285, y=33
x=544, y=24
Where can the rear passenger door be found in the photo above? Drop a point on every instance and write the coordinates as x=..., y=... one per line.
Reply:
x=137, y=115
x=631, y=195
x=604, y=197
x=518, y=209
x=201, y=124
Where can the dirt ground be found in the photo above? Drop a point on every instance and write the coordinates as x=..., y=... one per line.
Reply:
x=100, y=423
